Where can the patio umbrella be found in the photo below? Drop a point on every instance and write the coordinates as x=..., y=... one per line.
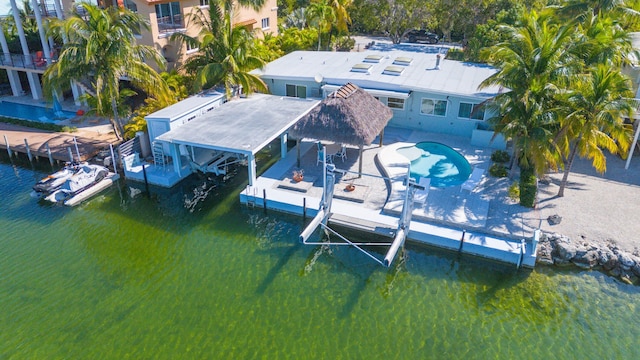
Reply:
x=349, y=116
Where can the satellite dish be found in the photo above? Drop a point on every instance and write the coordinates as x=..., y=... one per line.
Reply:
x=318, y=78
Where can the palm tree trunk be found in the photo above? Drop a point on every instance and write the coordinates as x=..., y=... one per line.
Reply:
x=319, y=34
x=567, y=167
x=117, y=127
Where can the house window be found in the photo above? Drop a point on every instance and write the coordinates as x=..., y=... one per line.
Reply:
x=433, y=107
x=265, y=23
x=169, y=16
x=471, y=111
x=190, y=47
x=296, y=91
x=395, y=103
x=204, y=2
x=131, y=6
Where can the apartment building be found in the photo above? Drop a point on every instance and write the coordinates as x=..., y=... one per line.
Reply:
x=165, y=17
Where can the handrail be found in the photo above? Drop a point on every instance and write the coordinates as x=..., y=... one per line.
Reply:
x=31, y=61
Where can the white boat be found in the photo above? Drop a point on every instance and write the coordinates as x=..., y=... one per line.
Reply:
x=54, y=181
x=87, y=181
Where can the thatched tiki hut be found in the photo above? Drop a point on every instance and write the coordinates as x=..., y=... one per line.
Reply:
x=349, y=116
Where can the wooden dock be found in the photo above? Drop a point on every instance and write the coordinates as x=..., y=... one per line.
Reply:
x=90, y=143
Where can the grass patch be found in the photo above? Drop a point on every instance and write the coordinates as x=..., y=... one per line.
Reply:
x=38, y=125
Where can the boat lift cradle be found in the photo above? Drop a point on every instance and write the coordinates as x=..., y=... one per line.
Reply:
x=321, y=218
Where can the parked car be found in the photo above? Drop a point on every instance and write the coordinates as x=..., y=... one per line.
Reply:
x=422, y=36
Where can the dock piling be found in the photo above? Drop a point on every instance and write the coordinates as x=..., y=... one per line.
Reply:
x=77, y=151
x=264, y=200
x=26, y=144
x=6, y=141
x=304, y=209
x=70, y=154
x=464, y=232
x=49, y=154
x=113, y=158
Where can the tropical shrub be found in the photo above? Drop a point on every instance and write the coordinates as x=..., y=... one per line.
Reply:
x=528, y=188
x=345, y=43
x=500, y=156
x=498, y=170
x=514, y=191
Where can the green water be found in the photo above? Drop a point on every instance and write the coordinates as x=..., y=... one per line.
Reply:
x=131, y=276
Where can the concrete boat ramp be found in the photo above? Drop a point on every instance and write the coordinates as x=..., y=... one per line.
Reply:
x=372, y=208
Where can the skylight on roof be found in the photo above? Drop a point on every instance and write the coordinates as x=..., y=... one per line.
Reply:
x=393, y=70
x=402, y=60
x=373, y=58
x=363, y=68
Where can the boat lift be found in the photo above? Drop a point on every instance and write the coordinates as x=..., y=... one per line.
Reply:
x=324, y=213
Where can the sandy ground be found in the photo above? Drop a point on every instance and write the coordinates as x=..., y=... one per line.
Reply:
x=596, y=207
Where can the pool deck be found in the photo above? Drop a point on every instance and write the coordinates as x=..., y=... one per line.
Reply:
x=93, y=135
x=452, y=219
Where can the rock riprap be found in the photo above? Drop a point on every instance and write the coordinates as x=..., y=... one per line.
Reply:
x=556, y=249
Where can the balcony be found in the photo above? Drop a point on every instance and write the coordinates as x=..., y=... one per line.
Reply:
x=34, y=61
x=169, y=24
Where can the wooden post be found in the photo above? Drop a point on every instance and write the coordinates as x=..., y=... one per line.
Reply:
x=360, y=164
x=8, y=147
x=304, y=209
x=77, y=151
x=49, y=153
x=464, y=232
x=26, y=144
x=264, y=199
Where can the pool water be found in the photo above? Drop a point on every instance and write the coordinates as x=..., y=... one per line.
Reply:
x=32, y=113
x=445, y=166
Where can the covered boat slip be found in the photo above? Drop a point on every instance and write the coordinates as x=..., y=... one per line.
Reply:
x=234, y=132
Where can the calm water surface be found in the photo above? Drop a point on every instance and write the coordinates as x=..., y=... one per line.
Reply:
x=190, y=274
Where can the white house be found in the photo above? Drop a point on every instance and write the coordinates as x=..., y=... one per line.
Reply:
x=424, y=90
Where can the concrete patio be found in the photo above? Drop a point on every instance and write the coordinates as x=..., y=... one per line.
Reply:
x=447, y=215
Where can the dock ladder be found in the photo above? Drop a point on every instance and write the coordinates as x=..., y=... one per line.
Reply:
x=158, y=154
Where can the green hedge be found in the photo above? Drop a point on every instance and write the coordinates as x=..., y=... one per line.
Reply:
x=38, y=125
x=528, y=188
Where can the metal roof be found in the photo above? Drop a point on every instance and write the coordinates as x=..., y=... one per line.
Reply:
x=453, y=77
x=244, y=125
x=187, y=105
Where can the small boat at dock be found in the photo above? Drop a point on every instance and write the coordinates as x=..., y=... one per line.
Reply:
x=53, y=182
x=87, y=181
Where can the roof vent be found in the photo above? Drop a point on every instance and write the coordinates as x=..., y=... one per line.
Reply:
x=373, y=59
x=402, y=60
x=393, y=70
x=362, y=68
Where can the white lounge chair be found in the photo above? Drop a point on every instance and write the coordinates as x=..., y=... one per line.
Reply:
x=474, y=180
x=420, y=196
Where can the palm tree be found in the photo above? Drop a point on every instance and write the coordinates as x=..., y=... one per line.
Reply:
x=323, y=14
x=594, y=119
x=532, y=65
x=342, y=16
x=577, y=9
x=101, y=50
x=225, y=54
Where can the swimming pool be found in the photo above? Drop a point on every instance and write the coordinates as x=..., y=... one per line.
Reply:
x=445, y=166
x=33, y=113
